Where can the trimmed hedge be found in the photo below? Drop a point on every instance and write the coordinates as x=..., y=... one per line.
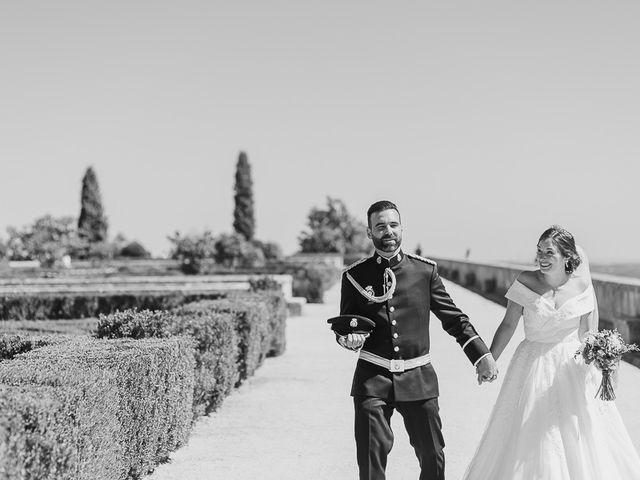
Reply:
x=75, y=407
x=121, y=405
x=216, y=354
x=68, y=306
x=252, y=327
x=232, y=337
x=61, y=432
x=215, y=341
x=277, y=313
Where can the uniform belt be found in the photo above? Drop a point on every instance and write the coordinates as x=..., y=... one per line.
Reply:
x=395, y=365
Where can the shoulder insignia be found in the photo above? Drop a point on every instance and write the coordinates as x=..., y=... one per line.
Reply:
x=422, y=259
x=358, y=262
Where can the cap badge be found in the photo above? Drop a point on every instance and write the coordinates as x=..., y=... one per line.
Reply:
x=353, y=323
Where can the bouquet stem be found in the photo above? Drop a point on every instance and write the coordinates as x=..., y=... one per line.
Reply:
x=606, y=387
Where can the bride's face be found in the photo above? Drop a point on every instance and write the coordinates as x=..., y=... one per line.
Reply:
x=549, y=257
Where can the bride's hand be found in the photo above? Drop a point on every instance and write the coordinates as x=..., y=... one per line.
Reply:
x=487, y=370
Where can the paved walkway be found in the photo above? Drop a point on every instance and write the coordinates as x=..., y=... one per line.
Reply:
x=293, y=419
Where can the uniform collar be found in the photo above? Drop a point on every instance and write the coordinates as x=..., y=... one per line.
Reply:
x=389, y=262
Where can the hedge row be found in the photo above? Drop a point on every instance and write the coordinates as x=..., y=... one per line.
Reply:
x=94, y=409
x=112, y=408
x=232, y=338
x=215, y=346
x=66, y=306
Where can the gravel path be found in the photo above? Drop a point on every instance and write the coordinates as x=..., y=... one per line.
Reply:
x=293, y=419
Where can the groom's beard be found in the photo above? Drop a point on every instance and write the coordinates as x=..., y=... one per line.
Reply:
x=387, y=247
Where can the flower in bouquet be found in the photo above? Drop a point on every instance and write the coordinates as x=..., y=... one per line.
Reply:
x=604, y=349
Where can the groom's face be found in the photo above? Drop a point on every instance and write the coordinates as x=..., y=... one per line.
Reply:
x=385, y=230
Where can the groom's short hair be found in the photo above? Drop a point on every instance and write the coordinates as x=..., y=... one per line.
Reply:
x=379, y=206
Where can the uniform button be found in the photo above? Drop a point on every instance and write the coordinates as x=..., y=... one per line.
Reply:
x=396, y=349
x=393, y=322
x=395, y=335
x=391, y=309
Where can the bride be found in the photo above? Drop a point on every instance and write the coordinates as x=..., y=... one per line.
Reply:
x=546, y=423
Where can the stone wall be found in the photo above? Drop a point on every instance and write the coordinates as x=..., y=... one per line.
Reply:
x=618, y=297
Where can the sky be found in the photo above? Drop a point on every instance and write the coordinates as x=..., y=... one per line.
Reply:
x=485, y=122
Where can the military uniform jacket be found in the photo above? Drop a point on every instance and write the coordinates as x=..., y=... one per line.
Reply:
x=402, y=324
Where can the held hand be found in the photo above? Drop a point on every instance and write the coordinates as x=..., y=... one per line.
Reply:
x=487, y=370
x=352, y=341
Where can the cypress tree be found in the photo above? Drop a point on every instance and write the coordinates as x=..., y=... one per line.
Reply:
x=243, y=221
x=92, y=224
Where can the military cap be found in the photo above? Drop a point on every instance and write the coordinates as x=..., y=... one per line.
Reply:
x=345, y=324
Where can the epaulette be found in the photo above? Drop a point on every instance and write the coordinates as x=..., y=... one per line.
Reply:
x=423, y=259
x=358, y=262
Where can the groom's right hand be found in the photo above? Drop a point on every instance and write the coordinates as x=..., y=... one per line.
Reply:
x=352, y=341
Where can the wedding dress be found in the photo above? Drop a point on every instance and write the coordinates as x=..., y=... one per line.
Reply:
x=546, y=423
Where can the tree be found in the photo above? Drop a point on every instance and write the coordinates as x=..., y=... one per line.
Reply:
x=333, y=230
x=243, y=219
x=192, y=250
x=270, y=250
x=47, y=240
x=92, y=223
x=233, y=250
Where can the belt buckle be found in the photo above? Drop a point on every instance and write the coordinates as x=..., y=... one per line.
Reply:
x=396, y=366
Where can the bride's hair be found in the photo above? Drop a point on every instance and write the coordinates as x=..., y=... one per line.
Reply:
x=566, y=244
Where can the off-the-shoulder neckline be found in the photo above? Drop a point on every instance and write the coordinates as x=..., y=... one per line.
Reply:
x=589, y=287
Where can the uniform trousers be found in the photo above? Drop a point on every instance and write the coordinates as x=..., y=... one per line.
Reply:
x=374, y=437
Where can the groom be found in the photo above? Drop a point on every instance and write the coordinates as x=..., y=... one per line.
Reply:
x=397, y=291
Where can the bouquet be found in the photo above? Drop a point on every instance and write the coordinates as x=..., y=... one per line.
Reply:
x=604, y=349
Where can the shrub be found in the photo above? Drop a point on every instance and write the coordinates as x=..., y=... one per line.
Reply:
x=216, y=355
x=134, y=250
x=251, y=324
x=270, y=250
x=235, y=251
x=192, y=250
x=58, y=431
x=265, y=283
x=215, y=342
x=122, y=404
x=260, y=322
x=311, y=281
x=15, y=344
x=135, y=324
x=276, y=316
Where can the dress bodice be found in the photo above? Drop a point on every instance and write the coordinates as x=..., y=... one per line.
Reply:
x=543, y=322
